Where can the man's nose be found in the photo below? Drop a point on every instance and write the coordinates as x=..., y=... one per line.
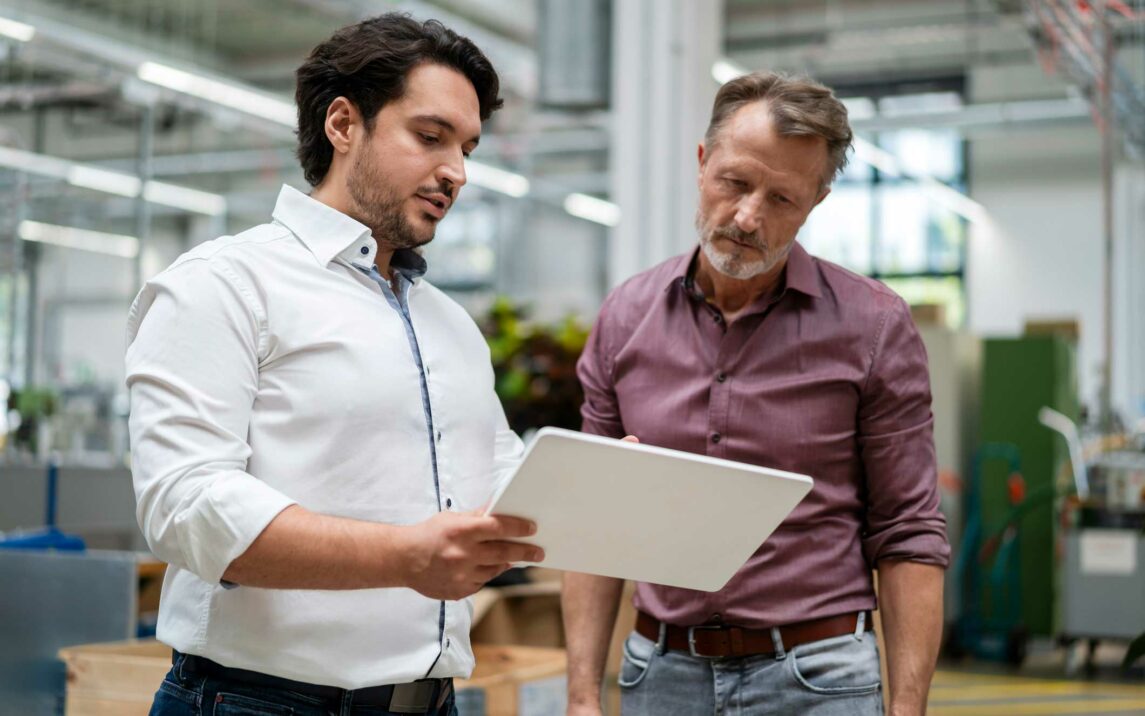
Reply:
x=452, y=173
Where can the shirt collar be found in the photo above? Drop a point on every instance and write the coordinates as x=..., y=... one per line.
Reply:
x=330, y=234
x=800, y=275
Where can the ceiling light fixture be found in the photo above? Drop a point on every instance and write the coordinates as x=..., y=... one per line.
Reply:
x=104, y=180
x=238, y=98
x=496, y=179
x=186, y=198
x=82, y=239
x=593, y=209
x=16, y=30
x=112, y=182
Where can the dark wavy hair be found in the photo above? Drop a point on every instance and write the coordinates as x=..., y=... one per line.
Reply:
x=368, y=64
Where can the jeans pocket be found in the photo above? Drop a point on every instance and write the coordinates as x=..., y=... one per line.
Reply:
x=171, y=687
x=842, y=665
x=639, y=653
x=230, y=704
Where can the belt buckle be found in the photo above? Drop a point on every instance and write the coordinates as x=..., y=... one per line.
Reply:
x=412, y=698
x=692, y=638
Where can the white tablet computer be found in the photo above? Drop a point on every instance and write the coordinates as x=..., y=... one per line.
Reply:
x=620, y=509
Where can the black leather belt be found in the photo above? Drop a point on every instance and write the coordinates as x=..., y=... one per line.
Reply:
x=416, y=697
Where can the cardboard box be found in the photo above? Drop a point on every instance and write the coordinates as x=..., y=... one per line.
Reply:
x=530, y=614
x=120, y=679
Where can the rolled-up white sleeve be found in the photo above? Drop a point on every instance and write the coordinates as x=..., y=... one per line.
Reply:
x=195, y=337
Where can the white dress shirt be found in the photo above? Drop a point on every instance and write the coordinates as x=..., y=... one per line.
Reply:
x=268, y=369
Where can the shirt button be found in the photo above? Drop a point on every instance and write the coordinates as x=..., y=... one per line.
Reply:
x=447, y=642
x=365, y=250
x=448, y=502
x=439, y=436
x=716, y=437
x=721, y=376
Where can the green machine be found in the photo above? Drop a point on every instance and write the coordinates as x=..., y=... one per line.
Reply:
x=1019, y=376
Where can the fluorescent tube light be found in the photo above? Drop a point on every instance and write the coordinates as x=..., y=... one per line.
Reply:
x=16, y=30
x=32, y=163
x=490, y=177
x=726, y=71
x=233, y=96
x=593, y=209
x=111, y=182
x=181, y=197
x=104, y=180
x=868, y=153
x=82, y=239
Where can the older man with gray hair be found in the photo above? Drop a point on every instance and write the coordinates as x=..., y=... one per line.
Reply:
x=750, y=349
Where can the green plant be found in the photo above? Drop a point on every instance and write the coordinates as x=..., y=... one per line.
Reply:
x=535, y=367
x=34, y=405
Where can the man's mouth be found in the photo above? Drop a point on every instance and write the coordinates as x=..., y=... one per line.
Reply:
x=740, y=242
x=434, y=204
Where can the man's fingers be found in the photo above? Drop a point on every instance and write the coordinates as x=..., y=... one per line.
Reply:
x=502, y=552
x=501, y=527
x=630, y=439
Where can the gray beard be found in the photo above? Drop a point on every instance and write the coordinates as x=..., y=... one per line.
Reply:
x=732, y=263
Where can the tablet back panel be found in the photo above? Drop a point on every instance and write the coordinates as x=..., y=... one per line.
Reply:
x=646, y=513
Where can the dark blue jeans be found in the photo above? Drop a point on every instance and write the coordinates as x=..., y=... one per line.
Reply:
x=193, y=694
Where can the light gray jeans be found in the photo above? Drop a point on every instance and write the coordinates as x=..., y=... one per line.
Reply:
x=836, y=676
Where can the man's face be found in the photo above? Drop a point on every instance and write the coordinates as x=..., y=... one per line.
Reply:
x=757, y=188
x=406, y=173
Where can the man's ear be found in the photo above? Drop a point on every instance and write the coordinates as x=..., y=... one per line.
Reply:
x=822, y=196
x=342, y=121
x=702, y=154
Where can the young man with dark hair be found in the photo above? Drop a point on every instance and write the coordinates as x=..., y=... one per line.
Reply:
x=313, y=425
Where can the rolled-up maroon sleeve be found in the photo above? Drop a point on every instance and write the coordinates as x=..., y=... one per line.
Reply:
x=600, y=412
x=896, y=442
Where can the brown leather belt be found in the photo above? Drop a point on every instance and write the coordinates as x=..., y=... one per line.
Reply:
x=717, y=641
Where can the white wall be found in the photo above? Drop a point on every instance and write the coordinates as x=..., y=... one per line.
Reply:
x=1039, y=255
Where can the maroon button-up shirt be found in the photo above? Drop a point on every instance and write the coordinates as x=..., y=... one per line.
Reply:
x=827, y=377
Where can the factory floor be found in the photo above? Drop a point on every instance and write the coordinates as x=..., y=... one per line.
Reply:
x=1051, y=681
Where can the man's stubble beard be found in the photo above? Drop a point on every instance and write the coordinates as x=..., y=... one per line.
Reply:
x=379, y=207
x=733, y=263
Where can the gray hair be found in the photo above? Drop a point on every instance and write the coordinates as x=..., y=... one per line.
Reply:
x=799, y=106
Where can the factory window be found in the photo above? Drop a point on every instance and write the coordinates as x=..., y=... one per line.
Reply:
x=891, y=217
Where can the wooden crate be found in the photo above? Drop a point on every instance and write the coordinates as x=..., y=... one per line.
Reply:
x=114, y=679
x=120, y=678
x=524, y=680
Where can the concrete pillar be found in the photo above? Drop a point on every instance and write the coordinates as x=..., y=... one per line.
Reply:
x=662, y=92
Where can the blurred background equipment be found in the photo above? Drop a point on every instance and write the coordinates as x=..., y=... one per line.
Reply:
x=997, y=184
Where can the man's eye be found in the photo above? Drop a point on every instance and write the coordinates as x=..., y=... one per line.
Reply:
x=782, y=199
x=736, y=183
x=428, y=138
